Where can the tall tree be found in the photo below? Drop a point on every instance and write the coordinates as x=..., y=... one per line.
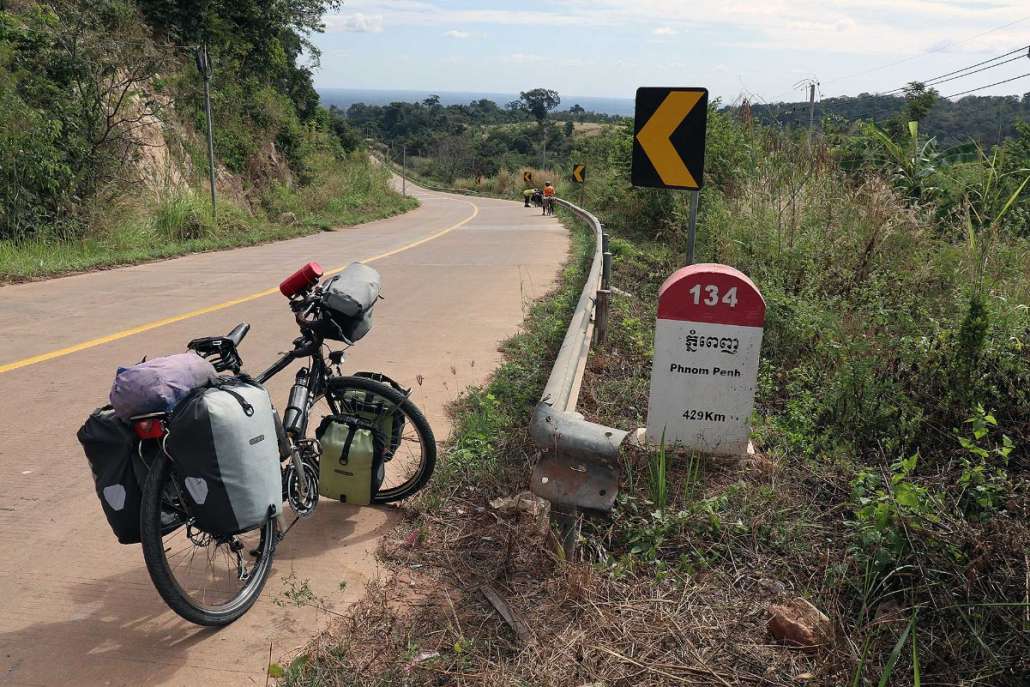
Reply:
x=918, y=101
x=538, y=102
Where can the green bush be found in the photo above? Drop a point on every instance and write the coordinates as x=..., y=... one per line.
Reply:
x=183, y=217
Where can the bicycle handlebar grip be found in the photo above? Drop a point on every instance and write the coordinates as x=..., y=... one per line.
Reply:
x=301, y=280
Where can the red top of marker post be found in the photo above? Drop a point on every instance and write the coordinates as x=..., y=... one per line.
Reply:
x=711, y=293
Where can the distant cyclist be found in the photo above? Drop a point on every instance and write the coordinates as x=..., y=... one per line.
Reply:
x=548, y=199
x=527, y=194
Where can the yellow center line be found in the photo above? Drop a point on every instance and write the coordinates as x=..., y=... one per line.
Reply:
x=100, y=340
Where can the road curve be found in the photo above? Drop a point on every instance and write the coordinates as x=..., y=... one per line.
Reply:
x=78, y=608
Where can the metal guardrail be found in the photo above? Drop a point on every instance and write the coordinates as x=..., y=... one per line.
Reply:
x=579, y=466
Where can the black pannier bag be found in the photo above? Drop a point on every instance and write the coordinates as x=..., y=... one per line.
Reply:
x=222, y=440
x=347, y=301
x=111, y=449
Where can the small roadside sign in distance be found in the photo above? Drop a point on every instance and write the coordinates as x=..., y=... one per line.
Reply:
x=669, y=137
x=527, y=177
x=579, y=173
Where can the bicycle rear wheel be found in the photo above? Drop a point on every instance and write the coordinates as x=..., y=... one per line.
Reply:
x=207, y=580
x=411, y=453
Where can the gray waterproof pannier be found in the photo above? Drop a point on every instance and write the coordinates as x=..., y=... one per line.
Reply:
x=222, y=441
x=347, y=300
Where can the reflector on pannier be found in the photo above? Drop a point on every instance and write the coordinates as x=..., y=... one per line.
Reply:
x=110, y=447
x=224, y=448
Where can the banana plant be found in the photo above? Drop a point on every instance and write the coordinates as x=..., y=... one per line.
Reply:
x=996, y=194
x=913, y=162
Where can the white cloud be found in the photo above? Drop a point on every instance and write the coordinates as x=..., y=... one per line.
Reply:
x=857, y=27
x=355, y=23
x=454, y=33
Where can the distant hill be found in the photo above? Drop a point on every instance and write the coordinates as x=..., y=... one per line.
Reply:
x=987, y=119
x=345, y=97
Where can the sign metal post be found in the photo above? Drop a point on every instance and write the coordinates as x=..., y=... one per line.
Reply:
x=692, y=227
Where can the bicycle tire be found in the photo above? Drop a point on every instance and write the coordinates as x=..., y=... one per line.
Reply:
x=338, y=385
x=152, y=534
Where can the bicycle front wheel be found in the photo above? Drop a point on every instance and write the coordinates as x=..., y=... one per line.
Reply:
x=410, y=444
x=206, y=579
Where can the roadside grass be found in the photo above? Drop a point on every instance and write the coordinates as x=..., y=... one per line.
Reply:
x=869, y=430
x=132, y=230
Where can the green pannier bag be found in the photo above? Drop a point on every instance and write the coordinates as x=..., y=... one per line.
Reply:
x=351, y=466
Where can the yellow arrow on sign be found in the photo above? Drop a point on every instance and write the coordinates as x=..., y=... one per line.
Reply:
x=654, y=138
x=577, y=173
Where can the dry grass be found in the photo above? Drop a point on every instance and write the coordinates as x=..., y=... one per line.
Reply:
x=431, y=625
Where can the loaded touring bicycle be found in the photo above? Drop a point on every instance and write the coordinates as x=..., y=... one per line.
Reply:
x=201, y=483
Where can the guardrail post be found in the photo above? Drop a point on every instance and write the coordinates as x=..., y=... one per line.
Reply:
x=604, y=294
x=565, y=526
x=604, y=297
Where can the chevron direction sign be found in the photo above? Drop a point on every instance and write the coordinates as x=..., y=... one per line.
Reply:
x=669, y=137
x=579, y=173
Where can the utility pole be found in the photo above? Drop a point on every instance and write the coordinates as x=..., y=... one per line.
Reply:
x=811, y=107
x=404, y=169
x=204, y=66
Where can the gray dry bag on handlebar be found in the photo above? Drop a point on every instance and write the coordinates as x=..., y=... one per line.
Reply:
x=347, y=302
x=223, y=446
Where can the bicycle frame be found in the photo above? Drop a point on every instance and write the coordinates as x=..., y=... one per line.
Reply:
x=309, y=346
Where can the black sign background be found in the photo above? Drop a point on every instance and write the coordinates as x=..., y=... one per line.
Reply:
x=688, y=139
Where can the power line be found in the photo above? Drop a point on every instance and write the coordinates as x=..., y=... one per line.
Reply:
x=998, y=83
x=965, y=70
x=927, y=52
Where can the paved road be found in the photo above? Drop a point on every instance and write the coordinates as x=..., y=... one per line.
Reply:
x=78, y=608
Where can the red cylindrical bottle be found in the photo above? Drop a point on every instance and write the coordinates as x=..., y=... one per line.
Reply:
x=304, y=278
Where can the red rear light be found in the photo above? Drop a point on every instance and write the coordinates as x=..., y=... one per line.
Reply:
x=151, y=428
x=304, y=278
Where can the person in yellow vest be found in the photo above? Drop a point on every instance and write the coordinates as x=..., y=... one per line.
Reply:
x=527, y=194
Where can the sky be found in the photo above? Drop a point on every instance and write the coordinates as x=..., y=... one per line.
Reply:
x=607, y=48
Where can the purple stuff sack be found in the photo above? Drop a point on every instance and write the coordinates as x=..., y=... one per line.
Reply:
x=159, y=384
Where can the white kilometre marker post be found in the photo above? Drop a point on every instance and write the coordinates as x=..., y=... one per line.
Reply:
x=707, y=340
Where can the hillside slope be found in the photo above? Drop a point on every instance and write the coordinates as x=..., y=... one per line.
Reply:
x=108, y=97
